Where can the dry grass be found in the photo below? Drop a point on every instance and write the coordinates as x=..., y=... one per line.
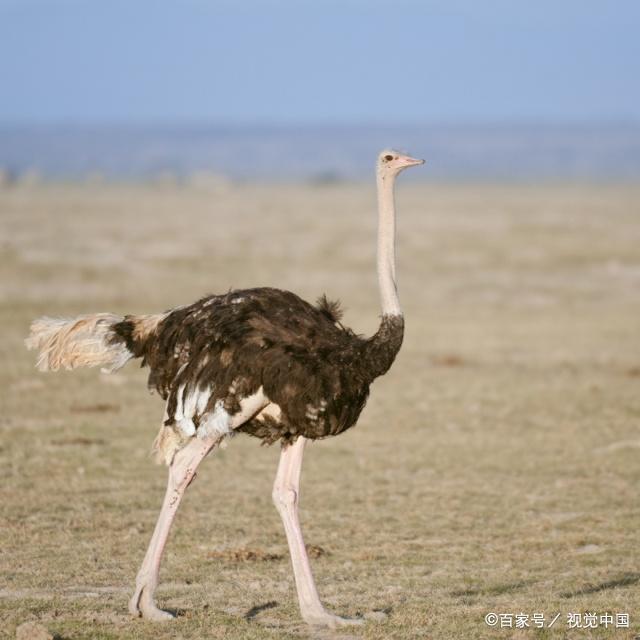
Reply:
x=496, y=467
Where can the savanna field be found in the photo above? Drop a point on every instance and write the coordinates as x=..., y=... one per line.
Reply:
x=495, y=469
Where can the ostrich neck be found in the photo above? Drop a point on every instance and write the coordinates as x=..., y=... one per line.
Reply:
x=380, y=350
x=386, y=247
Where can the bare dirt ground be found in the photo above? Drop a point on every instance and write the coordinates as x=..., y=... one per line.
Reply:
x=496, y=467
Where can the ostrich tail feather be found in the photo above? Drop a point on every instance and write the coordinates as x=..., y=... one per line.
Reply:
x=85, y=341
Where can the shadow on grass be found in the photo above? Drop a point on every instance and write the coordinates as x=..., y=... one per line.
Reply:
x=495, y=590
x=254, y=611
x=625, y=581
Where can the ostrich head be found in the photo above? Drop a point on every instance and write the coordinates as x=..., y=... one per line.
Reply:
x=391, y=162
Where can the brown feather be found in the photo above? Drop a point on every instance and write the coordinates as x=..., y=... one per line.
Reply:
x=315, y=370
x=330, y=308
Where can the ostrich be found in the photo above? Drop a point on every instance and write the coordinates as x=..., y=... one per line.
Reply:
x=258, y=361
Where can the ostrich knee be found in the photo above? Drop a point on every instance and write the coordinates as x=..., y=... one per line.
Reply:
x=284, y=498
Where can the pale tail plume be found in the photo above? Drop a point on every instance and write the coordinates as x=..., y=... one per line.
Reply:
x=77, y=342
x=85, y=341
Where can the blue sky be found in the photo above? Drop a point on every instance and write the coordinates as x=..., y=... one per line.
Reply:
x=269, y=61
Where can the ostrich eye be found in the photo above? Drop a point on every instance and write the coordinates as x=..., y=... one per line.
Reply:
x=388, y=157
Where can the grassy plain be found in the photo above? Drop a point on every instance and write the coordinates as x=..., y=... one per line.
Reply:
x=496, y=467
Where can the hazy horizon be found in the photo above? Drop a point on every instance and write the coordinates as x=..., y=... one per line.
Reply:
x=322, y=153
x=271, y=89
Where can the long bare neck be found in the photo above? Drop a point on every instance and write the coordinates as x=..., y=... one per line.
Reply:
x=380, y=350
x=387, y=247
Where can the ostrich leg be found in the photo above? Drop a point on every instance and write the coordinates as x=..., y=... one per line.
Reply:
x=181, y=473
x=286, y=494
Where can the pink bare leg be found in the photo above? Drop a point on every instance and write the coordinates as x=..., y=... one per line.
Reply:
x=286, y=494
x=181, y=473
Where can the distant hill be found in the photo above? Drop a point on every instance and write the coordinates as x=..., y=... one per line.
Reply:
x=323, y=153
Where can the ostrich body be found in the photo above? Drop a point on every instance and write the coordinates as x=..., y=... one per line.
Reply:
x=259, y=361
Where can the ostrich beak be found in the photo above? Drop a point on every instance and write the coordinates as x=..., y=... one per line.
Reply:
x=408, y=161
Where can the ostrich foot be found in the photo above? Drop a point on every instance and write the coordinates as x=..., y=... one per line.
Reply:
x=330, y=620
x=156, y=615
x=142, y=604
